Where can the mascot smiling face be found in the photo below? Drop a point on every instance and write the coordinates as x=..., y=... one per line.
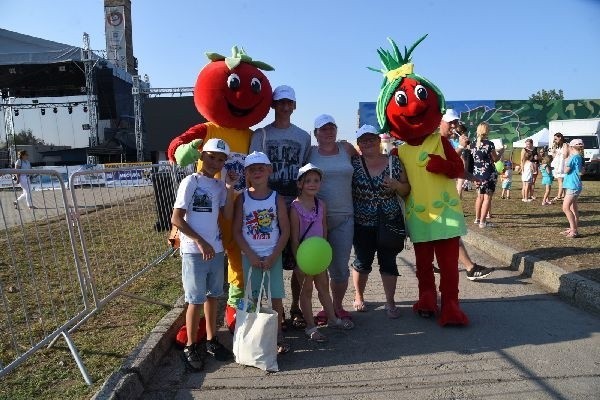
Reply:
x=232, y=91
x=409, y=105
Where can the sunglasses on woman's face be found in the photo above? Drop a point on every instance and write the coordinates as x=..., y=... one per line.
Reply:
x=368, y=140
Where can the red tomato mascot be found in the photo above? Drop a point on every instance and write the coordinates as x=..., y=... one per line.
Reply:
x=232, y=94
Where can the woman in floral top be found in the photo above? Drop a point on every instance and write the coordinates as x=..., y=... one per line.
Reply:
x=373, y=186
x=484, y=156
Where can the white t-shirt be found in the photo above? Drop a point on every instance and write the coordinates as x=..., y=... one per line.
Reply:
x=23, y=164
x=202, y=198
x=260, y=225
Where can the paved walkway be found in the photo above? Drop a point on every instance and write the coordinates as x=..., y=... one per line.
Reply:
x=521, y=343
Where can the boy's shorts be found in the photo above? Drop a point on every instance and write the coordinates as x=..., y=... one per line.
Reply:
x=572, y=192
x=506, y=185
x=276, y=281
x=202, y=278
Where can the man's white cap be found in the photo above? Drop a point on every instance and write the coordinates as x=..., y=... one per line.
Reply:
x=217, y=146
x=576, y=143
x=256, y=157
x=284, y=92
x=366, y=129
x=306, y=168
x=450, y=115
x=324, y=119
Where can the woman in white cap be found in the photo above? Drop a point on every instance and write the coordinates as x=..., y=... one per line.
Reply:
x=377, y=181
x=333, y=157
x=572, y=185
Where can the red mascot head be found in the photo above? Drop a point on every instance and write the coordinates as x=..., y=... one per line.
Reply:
x=232, y=91
x=409, y=106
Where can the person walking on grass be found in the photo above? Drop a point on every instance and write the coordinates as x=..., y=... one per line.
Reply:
x=261, y=228
x=526, y=177
x=449, y=121
x=547, y=178
x=287, y=147
x=199, y=200
x=308, y=219
x=572, y=185
x=507, y=175
x=23, y=180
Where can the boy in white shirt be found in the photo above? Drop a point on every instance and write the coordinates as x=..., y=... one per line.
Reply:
x=199, y=200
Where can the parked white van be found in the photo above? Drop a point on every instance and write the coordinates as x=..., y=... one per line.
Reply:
x=587, y=130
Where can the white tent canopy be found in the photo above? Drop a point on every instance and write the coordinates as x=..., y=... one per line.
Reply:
x=541, y=138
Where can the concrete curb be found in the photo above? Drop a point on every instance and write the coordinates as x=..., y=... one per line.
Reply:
x=129, y=381
x=575, y=289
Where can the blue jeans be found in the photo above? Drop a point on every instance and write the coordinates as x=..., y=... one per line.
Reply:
x=365, y=246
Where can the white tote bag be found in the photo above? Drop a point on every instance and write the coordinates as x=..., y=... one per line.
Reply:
x=255, y=335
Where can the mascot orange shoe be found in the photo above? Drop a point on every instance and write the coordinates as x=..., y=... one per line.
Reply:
x=410, y=107
x=232, y=94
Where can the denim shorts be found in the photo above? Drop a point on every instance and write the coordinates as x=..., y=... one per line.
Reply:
x=365, y=246
x=572, y=192
x=506, y=185
x=202, y=278
x=276, y=281
x=340, y=231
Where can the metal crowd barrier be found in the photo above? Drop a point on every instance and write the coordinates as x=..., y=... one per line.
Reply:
x=64, y=260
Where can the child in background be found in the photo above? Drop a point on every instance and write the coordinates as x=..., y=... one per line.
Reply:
x=507, y=174
x=261, y=228
x=307, y=219
x=526, y=177
x=572, y=185
x=547, y=178
x=199, y=199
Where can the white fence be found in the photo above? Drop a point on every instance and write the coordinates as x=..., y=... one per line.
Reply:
x=64, y=260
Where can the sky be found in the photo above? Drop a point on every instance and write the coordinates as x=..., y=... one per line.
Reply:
x=476, y=50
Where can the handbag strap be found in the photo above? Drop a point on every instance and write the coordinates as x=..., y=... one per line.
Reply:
x=262, y=289
x=247, y=291
x=364, y=164
x=311, y=222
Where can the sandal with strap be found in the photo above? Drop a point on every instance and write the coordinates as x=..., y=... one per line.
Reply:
x=321, y=318
x=283, y=347
x=339, y=323
x=314, y=335
x=343, y=314
x=297, y=319
x=392, y=312
x=284, y=323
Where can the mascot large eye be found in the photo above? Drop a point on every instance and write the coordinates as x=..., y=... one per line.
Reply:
x=421, y=92
x=401, y=98
x=255, y=85
x=233, y=82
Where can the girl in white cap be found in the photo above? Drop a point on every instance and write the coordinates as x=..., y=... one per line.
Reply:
x=308, y=219
x=572, y=185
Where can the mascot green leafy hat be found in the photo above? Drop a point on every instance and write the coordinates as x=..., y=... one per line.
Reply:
x=395, y=68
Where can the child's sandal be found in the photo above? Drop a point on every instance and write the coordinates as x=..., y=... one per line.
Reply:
x=340, y=323
x=314, y=335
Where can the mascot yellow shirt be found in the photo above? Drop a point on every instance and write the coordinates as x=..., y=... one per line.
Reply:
x=239, y=142
x=433, y=208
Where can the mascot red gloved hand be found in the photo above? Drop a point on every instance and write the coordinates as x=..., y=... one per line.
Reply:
x=410, y=108
x=232, y=94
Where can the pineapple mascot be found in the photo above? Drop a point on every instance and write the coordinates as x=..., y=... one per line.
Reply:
x=410, y=107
